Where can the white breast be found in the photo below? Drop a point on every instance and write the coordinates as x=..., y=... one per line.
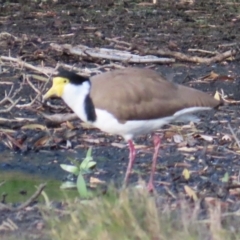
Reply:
x=74, y=96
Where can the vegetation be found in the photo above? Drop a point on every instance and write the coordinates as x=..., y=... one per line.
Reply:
x=79, y=170
x=134, y=214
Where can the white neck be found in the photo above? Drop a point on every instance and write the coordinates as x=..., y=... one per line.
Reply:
x=74, y=96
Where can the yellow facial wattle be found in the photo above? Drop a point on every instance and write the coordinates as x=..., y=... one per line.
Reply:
x=57, y=87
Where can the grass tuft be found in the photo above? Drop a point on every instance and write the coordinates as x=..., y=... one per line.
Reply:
x=133, y=214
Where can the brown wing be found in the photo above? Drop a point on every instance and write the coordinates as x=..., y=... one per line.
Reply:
x=141, y=94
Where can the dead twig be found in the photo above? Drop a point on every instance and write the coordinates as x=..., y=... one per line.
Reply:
x=183, y=57
x=25, y=204
x=32, y=198
x=202, y=51
x=27, y=105
x=9, y=98
x=55, y=107
x=43, y=70
x=11, y=107
x=59, y=118
x=17, y=120
x=12, y=141
x=234, y=135
x=8, y=224
x=31, y=85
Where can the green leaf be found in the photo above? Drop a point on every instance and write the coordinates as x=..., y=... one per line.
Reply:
x=81, y=186
x=225, y=177
x=68, y=185
x=86, y=166
x=87, y=163
x=73, y=161
x=89, y=153
x=91, y=164
x=70, y=168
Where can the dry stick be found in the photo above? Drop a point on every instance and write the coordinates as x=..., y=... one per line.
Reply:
x=45, y=71
x=234, y=135
x=180, y=56
x=55, y=107
x=8, y=225
x=114, y=65
x=110, y=54
x=14, y=103
x=25, y=204
x=16, y=91
x=202, y=51
x=29, y=104
x=32, y=198
x=31, y=85
x=10, y=92
x=118, y=41
x=6, y=99
x=10, y=107
x=120, y=44
x=39, y=93
x=183, y=57
x=227, y=45
x=9, y=98
x=13, y=141
x=17, y=120
x=59, y=118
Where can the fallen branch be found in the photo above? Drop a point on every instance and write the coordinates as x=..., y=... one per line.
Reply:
x=43, y=70
x=110, y=54
x=150, y=55
x=32, y=198
x=25, y=204
x=48, y=71
x=183, y=57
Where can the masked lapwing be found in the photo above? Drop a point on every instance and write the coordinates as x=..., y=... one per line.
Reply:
x=129, y=102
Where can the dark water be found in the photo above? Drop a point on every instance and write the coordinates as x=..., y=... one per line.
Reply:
x=20, y=174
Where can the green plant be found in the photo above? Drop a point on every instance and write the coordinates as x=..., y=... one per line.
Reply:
x=79, y=170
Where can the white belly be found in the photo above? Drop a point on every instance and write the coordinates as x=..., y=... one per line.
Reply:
x=107, y=123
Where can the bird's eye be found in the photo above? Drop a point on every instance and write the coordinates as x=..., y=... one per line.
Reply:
x=65, y=81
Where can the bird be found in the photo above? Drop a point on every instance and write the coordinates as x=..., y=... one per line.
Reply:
x=129, y=102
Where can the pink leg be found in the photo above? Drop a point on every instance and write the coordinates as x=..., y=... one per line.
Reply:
x=132, y=155
x=156, y=142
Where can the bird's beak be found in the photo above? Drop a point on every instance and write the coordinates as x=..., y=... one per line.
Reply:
x=51, y=92
x=56, y=89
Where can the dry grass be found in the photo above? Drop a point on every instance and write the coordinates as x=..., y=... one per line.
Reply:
x=133, y=214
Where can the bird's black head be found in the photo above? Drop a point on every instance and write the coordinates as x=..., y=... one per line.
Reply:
x=71, y=76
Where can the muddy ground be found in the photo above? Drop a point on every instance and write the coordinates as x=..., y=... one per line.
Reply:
x=208, y=150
